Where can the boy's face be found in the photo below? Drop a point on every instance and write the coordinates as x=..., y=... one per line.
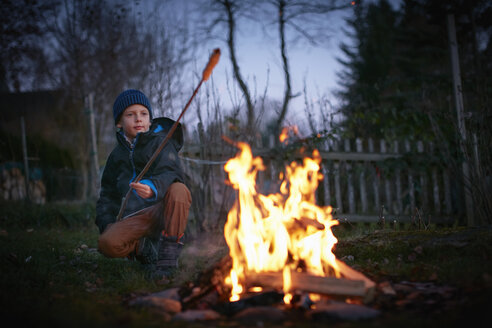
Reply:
x=134, y=119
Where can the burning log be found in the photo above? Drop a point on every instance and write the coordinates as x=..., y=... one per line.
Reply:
x=349, y=273
x=263, y=299
x=352, y=284
x=307, y=283
x=305, y=222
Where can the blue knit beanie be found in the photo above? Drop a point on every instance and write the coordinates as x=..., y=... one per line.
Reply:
x=127, y=98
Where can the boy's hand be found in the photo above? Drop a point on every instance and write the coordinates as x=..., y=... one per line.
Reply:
x=142, y=190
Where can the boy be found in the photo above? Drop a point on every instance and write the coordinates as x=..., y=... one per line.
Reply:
x=157, y=210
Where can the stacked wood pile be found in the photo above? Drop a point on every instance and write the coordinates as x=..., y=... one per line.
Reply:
x=13, y=186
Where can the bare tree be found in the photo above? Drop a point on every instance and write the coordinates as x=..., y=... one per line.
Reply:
x=100, y=48
x=225, y=15
x=20, y=29
x=293, y=20
x=301, y=20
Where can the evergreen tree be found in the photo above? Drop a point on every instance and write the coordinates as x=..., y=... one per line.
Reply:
x=397, y=80
x=369, y=64
x=398, y=83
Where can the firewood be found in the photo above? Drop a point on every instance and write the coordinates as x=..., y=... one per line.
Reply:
x=210, y=280
x=309, y=283
x=265, y=298
x=305, y=222
x=352, y=283
x=349, y=273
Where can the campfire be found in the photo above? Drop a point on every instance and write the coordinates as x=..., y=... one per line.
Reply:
x=284, y=241
x=280, y=256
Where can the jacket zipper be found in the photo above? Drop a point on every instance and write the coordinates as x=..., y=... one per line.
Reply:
x=132, y=147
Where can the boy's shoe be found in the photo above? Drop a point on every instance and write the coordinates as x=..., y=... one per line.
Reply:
x=167, y=258
x=148, y=249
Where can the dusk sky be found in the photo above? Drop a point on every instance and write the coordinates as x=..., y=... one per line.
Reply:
x=257, y=54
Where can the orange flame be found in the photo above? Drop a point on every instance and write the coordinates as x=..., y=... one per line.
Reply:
x=277, y=232
x=284, y=135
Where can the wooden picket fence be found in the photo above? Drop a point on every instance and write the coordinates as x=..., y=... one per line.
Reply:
x=364, y=180
x=362, y=186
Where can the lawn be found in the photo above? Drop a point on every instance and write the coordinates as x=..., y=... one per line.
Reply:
x=52, y=274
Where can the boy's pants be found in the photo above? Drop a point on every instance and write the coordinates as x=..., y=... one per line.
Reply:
x=170, y=216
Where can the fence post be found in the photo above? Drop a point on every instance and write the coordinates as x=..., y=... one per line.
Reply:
x=396, y=150
x=93, y=142
x=435, y=184
x=447, y=191
x=387, y=187
x=423, y=181
x=26, y=160
x=325, y=170
x=336, y=175
x=350, y=185
x=326, y=183
x=362, y=178
x=411, y=186
x=375, y=184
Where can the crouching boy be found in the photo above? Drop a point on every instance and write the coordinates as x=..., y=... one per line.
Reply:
x=156, y=213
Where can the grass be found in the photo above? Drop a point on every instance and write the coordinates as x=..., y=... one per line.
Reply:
x=46, y=269
x=458, y=255
x=51, y=273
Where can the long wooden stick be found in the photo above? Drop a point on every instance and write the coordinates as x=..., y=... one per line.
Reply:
x=214, y=59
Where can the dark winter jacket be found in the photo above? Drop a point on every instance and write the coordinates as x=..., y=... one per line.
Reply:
x=126, y=161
